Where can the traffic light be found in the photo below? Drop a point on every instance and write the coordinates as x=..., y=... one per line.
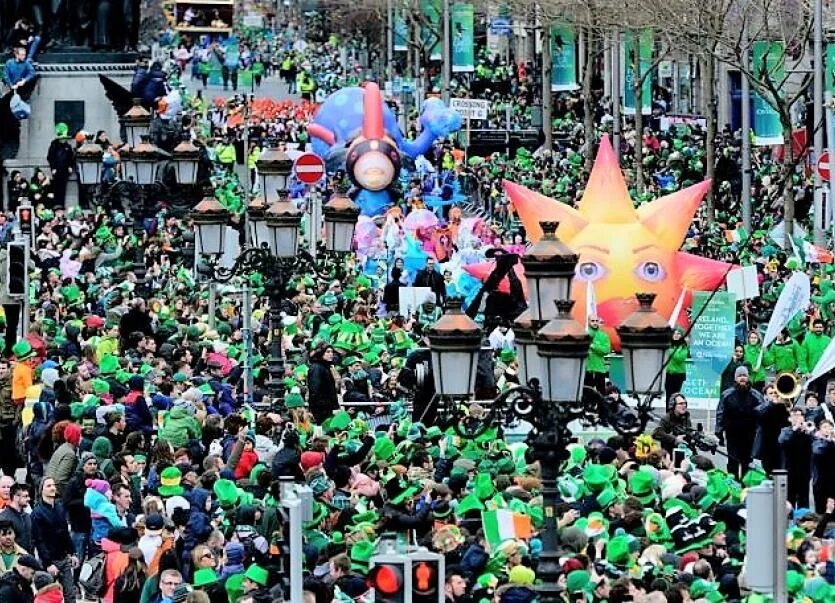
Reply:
x=387, y=577
x=24, y=219
x=427, y=575
x=15, y=269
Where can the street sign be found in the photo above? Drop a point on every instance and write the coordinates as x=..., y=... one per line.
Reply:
x=309, y=168
x=823, y=166
x=500, y=26
x=469, y=108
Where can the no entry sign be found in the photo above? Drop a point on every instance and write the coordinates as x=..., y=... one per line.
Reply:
x=309, y=168
x=823, y=166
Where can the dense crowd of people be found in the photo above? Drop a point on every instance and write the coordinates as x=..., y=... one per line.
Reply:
x=140, y=466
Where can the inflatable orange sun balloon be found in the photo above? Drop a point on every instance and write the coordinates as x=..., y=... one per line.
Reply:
x=623, y=250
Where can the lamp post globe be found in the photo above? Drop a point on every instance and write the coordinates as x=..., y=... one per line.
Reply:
x=645, y=339
x=549, y=269
x=284, y=221
x=454, y=346
x=210, y=219
x=340, y=216
x=274, y=167
x=89, y=157
x=563, y=345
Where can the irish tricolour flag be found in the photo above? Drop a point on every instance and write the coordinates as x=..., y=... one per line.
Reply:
x=504, y=525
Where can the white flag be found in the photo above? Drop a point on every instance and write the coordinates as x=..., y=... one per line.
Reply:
x=591, y=302
x=825, y=364
x=677, y=309
x=793, y=299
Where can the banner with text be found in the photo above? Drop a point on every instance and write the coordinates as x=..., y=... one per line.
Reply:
x=644, y=65
x=711, y=347
x=768, y=66
x=432, y=29
x=563, y=58
x=401, y=33
x=463, y=48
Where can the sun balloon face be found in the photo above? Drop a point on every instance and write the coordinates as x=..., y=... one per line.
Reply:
x=623, y=250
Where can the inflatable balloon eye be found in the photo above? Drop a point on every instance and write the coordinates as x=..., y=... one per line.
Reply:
x=373, y=161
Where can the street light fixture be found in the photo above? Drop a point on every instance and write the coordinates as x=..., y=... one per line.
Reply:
x=186, y=162
x=89, y=157
x=137, y=123
x=645, y=339
x=210, y=219
x=454, y=344
x=141, y=161
x=549, y=268
x=284, y=221
x=274, y=167
x=340, y=215
x=256, y=216
x=527, y=353
x=563, y=344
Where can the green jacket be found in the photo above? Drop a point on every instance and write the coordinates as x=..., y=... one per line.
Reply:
x=180, y=427
x=600, y=347
x=752, y=354
x=678, y=360
x=784, y=357
x=812, y=349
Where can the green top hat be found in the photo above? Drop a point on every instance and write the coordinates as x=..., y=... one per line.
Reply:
x=641, y=484
x=293, y=400
x=597, y=477
x=257, y=574
x=361, y=553
x=338, y=422
x=170, y=479
x=22, y=350
x=109, y=364
x=226, y=493
x=204, y=576
x=383, y=448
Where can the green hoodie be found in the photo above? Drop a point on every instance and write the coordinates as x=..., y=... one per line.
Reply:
x=678, y=360
x=784, y=357
x=812, y=349
x=180, y=427
x=752, y=354
x=600, y=347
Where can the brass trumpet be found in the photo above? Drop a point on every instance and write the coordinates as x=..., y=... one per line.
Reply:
x=788, y=386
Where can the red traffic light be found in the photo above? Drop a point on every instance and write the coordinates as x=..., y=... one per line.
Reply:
x=386, y=579
x=424, y=578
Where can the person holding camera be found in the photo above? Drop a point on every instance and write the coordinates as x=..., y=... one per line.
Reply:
x=795, y=443
x=673, y=427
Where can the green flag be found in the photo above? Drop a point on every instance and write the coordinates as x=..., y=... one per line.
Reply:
x=768, y=65
x=829, y=74
x=432, y=30
x=401, y=33
x=462, y=37
x=563, y=58
x=645, y=63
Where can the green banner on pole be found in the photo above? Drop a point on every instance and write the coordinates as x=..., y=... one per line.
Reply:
x=711, y=344
x=645, y=41
x=401, y=33
x=432, y=29
x=768, y=65
x=563, y=58
x=463, y=53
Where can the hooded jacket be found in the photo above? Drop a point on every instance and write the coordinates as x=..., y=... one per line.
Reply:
x=103, y=514
x=179, y=427
x=51, y=593
x=78, y=513
x=15, y=589
x=137, y=415
x=116, y=561
x=62, y=465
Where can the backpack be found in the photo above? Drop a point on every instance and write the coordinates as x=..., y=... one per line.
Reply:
x=91, y=577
